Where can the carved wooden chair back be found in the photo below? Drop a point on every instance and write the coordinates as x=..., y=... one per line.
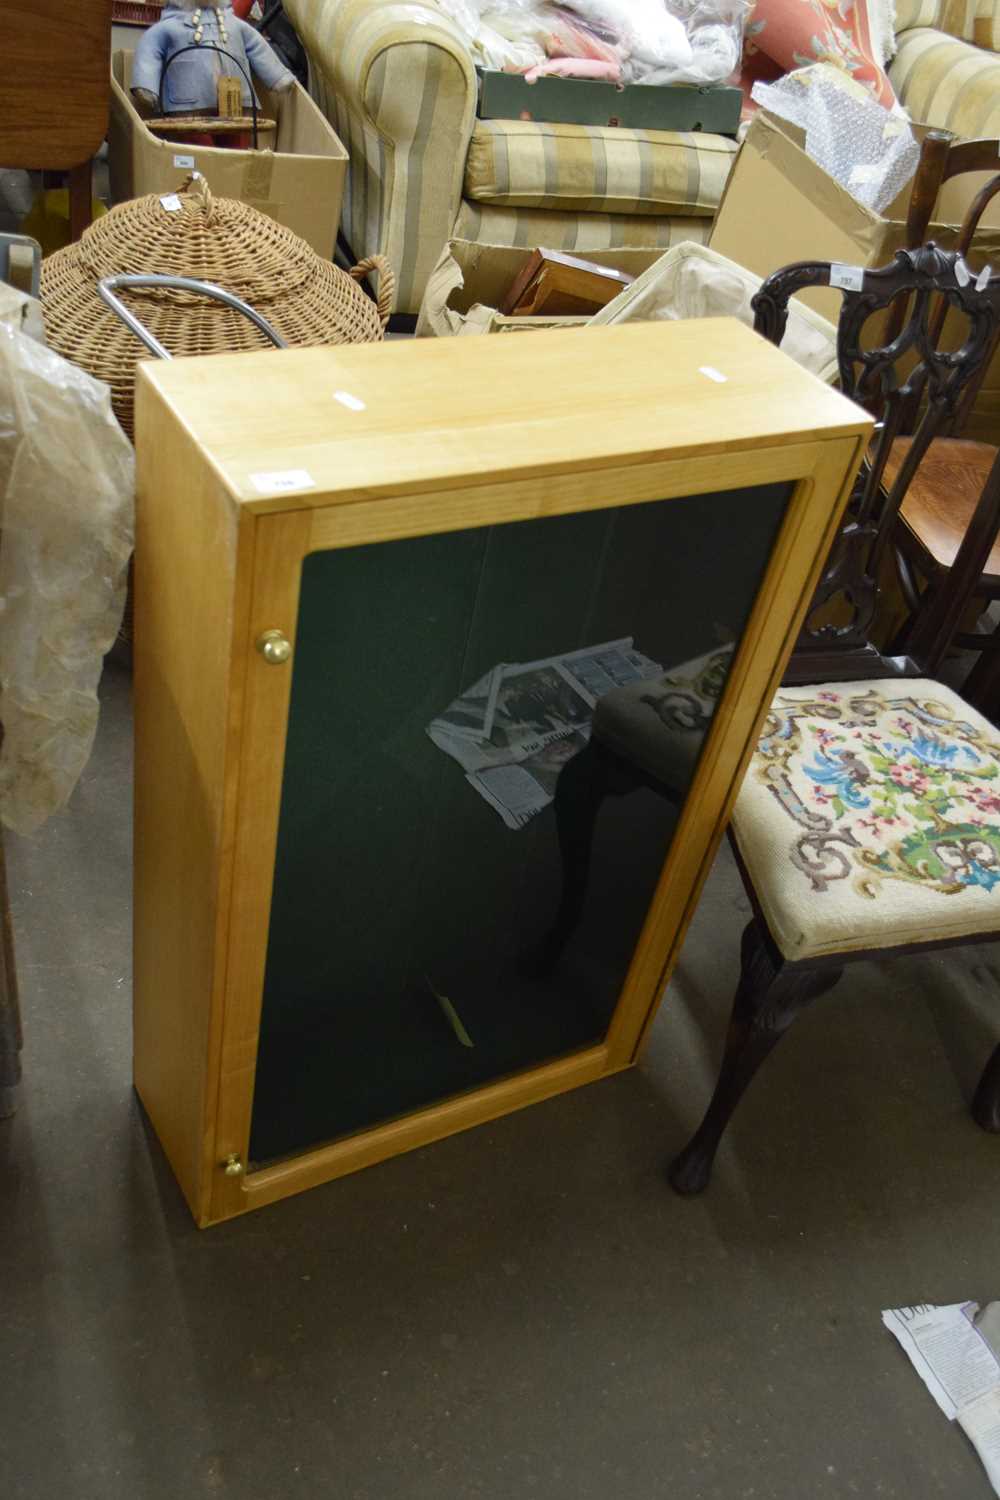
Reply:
x=886, y=378
x=942, y=158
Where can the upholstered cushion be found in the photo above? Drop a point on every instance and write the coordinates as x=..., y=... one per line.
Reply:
x=953, y=17
x=660, y=724
x=796, y=33
x=593, y=169
x=870, y=817
x=976, y=20
x=948, y=83
x=526, y=227
x=986, y=24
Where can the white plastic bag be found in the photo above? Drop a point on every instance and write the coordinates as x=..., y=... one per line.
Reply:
x=66, y=521
x=516, y=35
x=715, y=31
x=503, y=34
x=646, y=31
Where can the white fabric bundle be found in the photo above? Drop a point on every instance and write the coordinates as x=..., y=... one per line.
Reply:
x=66, y=487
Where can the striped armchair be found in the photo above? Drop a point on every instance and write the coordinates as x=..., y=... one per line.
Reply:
x=397, y=82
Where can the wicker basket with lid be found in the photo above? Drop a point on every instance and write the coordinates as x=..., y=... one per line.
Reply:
x=306, y=299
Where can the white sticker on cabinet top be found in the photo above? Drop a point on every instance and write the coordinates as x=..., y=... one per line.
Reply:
x=279, y=480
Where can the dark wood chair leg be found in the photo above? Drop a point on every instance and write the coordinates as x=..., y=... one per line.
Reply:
x=583, y=784
x=769, y=996
x=982, y=686
x=81, y=195
x=10, y=1015
x=986, y=1104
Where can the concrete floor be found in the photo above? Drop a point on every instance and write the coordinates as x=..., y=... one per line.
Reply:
x=522, y=1310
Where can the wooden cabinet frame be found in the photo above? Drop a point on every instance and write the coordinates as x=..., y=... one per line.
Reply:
x=218, y=562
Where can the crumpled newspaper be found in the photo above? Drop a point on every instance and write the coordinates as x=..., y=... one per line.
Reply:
x=67, y=480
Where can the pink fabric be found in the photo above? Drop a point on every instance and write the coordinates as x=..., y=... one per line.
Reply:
x=796, y=33
x=571, y=36
x=575, y=67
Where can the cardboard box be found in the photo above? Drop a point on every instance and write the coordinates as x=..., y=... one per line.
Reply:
x=779, y=206
x=470, y=281
x=586, y=101
x=300, y=183
x=501, y=324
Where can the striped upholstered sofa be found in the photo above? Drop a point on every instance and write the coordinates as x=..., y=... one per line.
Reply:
x=397, y=81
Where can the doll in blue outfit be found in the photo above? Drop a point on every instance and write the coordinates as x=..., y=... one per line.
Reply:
x=190, y=85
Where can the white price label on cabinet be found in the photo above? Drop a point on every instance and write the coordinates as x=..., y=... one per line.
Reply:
x=283, y=479
x=353, y=403
x=848, y=278
x=184, y=162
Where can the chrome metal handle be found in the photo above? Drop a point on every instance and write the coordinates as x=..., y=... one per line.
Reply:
x=107, y=288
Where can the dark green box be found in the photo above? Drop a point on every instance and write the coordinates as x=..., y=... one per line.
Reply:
x=579, y=101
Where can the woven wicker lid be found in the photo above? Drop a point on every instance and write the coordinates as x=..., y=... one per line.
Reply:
x=307, y=299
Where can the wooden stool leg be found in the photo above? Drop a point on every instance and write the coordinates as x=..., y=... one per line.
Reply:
x=81, y=193
x=768, y=998
x=986, y=1104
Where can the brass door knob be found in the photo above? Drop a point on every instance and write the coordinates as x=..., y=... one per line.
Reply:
x=232, y=1166
x=274, y=646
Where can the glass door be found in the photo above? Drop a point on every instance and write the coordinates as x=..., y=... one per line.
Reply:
x=459, y=701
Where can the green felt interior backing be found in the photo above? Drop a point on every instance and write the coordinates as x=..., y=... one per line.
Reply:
x=395, y=882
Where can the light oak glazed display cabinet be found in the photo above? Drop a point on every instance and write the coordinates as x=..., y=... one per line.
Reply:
x=335, y=544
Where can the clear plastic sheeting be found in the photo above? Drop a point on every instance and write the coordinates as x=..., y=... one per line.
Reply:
x=21, y=313
x=870, y=152
x=66, y=527
x=628, y=41
x=715, y=33
x=693, y=281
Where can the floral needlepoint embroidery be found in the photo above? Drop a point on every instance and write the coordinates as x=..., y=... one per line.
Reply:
x=880, y=789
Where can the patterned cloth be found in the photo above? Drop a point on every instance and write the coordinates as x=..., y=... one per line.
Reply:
x=796, y=33
x=870, y=817
x=594, y=169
